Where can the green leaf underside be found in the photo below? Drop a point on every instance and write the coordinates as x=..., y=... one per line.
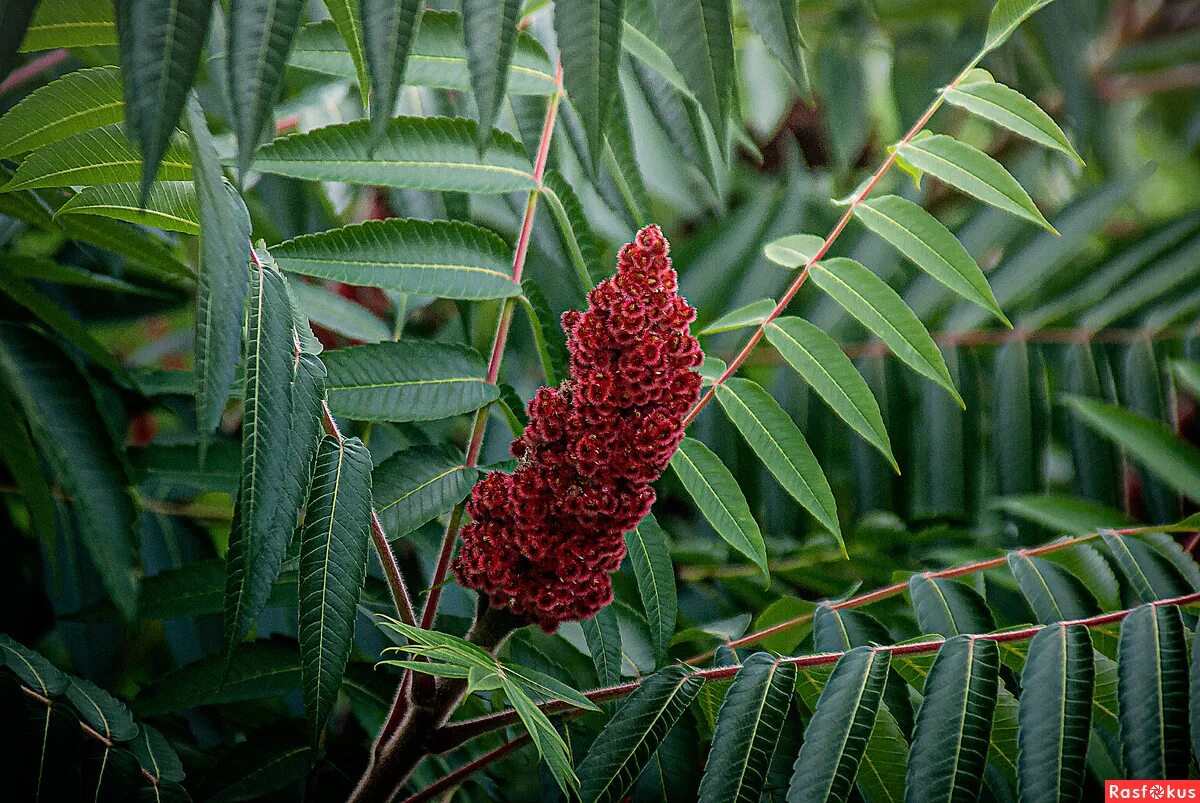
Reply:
x=879, y=308
x=1007, y=107
x=974, y=172
x=425, y=153
x=333, y=566
x=409, y=381
x=781, y=446
x=717, y=494
x=79, y=101
x=824, y=366
x=752, y=314
x=794, y=251
x=69, y=23
x=1006, y=16
x=446, y=259
x=171, y=205
x=97, y=156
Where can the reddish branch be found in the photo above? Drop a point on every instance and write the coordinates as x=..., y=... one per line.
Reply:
x=467, y=770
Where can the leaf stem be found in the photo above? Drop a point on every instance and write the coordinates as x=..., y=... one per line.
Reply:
x=798, y=282
x=475, y=444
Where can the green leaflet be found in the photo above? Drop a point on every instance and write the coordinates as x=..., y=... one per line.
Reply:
x=1128, y=564
x=776, y=22
x=32, y=668
x=1055, y=594
x=603, y=635
x=948, y=607
x=330, y=310
x=333, y=565
x=389, y=27
x=822, y=364
x=160, y=45
x=418, y=484
x=752, y=314
x=54, y=398
x=170, y=205
x=1152, y=690
x=96, y=156
x=156, y=755
x=837, y=735
x=21, y=459
x=69, y=23
x=781, y=446
x=574, y=231
x=748, y=729
x=954, y=723
x=258, y=669
x=107, y=715
x=794, y=251
x=972, y=171
x=272, y=760
x=1055, y=714
x=720, y=499
x=446, y=259
x=1006, y=16
x=224, y=280
x=631, y=736
x=1062, y=513
x=79, y=101
x=409, y=381
x=1005, y=106
x=930, y=246
x=589, y=37
x=346, y=16
x=698, y=35
x=1152, y=444
x=259, y=37
x=490, y=30
x=426, y=153
x=880, y=308
x=279, y=436
x=650, y=556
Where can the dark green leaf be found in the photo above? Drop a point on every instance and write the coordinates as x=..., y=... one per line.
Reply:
x=21, y=459
x=698, y=35
x=107, y=715
x=389, y=27
x=1054, y=594
x=418, y=484
x=17, y=16
x=1128, y=565
x=170, y=205
x=1153, y=693
x=589, y=40
x=574, y=231
x=32, y=669
x=333, y=566
x=604, y=641
x=346, y=16
x=948, y=607
x=954, y=723
x=257, y=669
x=409, y=381
x=776, y=22
x=156, y=756
x=259, y=37
x=648, y=552
x=490, y=28
x=265, y=762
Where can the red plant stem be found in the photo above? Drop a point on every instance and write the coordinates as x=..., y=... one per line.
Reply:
x=458, y=733
x=467, y=770
x=33, y=69
x=475, y=444
x=1192, y=542
x=798, y=282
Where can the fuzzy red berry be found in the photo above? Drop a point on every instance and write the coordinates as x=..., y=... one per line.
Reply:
x=543, y=540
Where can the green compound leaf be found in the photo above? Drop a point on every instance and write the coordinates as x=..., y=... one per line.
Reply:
x=1005, y=106
x=418, y=484
x=97, y=156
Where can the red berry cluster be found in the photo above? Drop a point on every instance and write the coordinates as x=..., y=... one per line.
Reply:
x=542, y=540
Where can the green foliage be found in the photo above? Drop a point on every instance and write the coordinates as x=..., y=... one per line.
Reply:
x=930, y=545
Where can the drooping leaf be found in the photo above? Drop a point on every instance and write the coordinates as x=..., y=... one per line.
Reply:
x=748, y=729
x=752, y=314
x=954, y=723
x=837, y=735
x=1006, y=16
x=647, y=548
x=781, y=446
x=698, y=35
x=490, y=27
x=794, y=251
x=1055, y=714
x=389, y=27
x=224, y=277
x=333, y=566
x=823, y=365
x=328, y=309
x=32, y=668
x=417, y=484
x=258, y=669
x=96, y=156
x=1152, y=444
x=948, y=607
x=279, y=437
x=776, y=22
x=1152, y=691
x=720, y=499
x=603, y=635
x=1017, y=418
x=79, y=101
x=1054, y=593
x=170, y=205
x=441, y=258
x=346, y=16
x=69, y=23
x=259, y=36
x=160, y=45
x=629, y=739
x=930, y=246
x=972, y=171
x=107, y=715
x=409, y=381
x=156, y=755
x=56, y=402
x=879, y=308
x=589, y=40
x=1005, y=106
x=422, y=153
x=574, y=231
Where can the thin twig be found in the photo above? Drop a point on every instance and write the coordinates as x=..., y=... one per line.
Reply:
x=475, y=445
x=33, y=69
